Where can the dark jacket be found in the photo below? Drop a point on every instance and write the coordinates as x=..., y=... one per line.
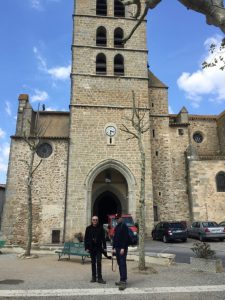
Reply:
x=94, y=238
x=120, y=239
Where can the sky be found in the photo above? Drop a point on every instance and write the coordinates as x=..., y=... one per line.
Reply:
x=35, y=59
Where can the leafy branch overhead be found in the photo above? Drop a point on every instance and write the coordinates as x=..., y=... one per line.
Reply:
x=213, y=10
x=216, y=57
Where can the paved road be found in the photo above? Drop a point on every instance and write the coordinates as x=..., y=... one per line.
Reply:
x=47, y=278
x=183, y=250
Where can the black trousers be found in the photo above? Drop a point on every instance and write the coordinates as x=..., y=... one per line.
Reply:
x=96, y=263
x=122, y=263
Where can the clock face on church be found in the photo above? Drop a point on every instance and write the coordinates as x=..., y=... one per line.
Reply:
x=110, y=131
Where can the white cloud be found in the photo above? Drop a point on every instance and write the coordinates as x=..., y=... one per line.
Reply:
x=4, y=157
x=171, y=110
x=61, y=73
x=39, y=96
x=2, y=133
x=8, y=108
x=58, y=73
x=208, y=82
x=36, y=4
x=39, y=4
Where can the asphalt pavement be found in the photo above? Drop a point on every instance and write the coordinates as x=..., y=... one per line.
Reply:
x=47, y=278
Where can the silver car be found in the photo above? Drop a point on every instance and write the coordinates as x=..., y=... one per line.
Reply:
x=204, y=230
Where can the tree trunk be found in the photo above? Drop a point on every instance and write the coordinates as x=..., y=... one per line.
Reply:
x=29, y=205
x=142, y=206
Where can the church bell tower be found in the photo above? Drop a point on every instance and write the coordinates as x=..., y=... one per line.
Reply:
x=104, y=74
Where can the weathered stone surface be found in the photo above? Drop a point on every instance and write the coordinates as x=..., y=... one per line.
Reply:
x=70, y=184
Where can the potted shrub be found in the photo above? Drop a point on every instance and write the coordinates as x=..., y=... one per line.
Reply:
x=205, y=259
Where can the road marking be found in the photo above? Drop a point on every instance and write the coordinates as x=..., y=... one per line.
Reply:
x=110, y=291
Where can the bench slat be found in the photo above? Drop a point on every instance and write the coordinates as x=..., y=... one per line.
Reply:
x=71, y=248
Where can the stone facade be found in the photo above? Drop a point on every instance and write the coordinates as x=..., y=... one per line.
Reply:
x=2, y=201
x=88, y=171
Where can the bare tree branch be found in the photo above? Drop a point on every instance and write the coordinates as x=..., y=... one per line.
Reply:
x=125, y=129
x=37, y=166
x=140, y=126
x=212, y=9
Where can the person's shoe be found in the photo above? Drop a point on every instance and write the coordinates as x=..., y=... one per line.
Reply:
x=122, y=285
x=93, y=279
x=100, y=280
x=117, y=283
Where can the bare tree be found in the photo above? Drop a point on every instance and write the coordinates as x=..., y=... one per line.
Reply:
x=140, y=125
x=212, y=9
x=32, y=141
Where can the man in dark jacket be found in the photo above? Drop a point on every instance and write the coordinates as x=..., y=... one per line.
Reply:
x=95, y=244
x=120, y=247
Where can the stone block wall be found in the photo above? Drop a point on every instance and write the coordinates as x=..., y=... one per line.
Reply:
x=89, y=147
x=85, y=29
x=48, y=193
x=158, y=101
x=161, y=167
x=179, y=140
x=208, y=204
x=208, y=128
x=221, y=131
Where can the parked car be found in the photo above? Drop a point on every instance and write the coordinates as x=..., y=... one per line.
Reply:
x=112, y=222
x=222, y=224
x=170, y=231
x=204, y=230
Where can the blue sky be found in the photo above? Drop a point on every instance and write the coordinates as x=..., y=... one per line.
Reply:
x=35, y=58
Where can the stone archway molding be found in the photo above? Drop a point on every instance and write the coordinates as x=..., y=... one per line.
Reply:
x=97, y=169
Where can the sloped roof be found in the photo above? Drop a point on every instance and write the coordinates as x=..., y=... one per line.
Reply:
x=153, y=81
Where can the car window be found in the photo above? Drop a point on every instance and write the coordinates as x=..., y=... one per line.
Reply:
x=209, y=224
x=176, y=225
x=114, y=223
x=165, y=225
x=128, y=221
x=157, y=226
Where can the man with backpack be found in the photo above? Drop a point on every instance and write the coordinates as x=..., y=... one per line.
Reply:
x=120, y=247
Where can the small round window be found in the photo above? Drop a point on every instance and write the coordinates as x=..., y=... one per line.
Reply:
x=198, y=138
x=44, y=150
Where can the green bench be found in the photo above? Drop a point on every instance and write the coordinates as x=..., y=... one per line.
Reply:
x=2, y=244
x=71, y=248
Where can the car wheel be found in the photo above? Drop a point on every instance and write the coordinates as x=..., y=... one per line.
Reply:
x=153, y=237
x=165, y=239
x=184, y=240
x=201, y=238
x=221, y=239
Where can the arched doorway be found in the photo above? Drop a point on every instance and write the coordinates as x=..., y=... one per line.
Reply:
x=107, y=203
x=110, y=176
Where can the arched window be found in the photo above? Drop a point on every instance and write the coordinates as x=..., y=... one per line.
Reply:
x=119, y=9
x=118, y=38
x=101, y=7
x=118, y=65
x=220, y=182
x=101, y=64
x=101, y=36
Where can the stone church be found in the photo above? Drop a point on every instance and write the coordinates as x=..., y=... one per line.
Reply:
x=89, y=166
